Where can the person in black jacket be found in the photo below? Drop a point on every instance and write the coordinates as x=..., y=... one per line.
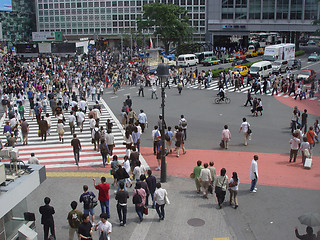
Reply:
x=121, y=175
x=122, y=198
x=151, y=181
x=47, y=221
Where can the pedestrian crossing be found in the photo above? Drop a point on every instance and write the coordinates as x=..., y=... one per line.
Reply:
x=214, y=86
x=57, y=155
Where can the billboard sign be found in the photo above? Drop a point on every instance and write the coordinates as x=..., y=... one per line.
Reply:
x=47, y=36
x=5, y=5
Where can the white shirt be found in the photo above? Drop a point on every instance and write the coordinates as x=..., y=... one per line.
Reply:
x=92, y=122
x=205, y=174
x=159, y=196
x=109, y=139
x=80, y=116
x=294, y=143
x=82, y=105
x=72, y=119
x=142, y=118
x=245, y=126
x=126, y=166
x=137, y=171
x=235, y=188
x=105, y=227
x=253, y=169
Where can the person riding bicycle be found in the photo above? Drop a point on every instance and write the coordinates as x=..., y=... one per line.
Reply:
x=221, y=94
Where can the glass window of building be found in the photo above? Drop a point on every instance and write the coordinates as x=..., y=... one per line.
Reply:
x=84, y=4
x=189, y=9
x=103, y=24
x=132, y=3
x=56, y=5
x=96, y=10
x=79, y=5
x=74, y=11
x=241, y=9
x=126, y=23
x=90, y=4
x=79, y=11
x=91, y=30
x=108, y=4
x=133, y=10
x=90, y=11
x=85, y=24
x=96, y=4
x=46, y=19
x=311, y=10
x=120, y=10
x=51, y=19
x=68, y=18
x=102, y=10
x=196, y=9
x=79, y=18
x=91, y=24
x=296, y=9
x=103, y=30
x=91, y=18
x=102, y=4
x=45, y=6
x=68, y=11
x=50, y=6
x=176, y=2
x=255, y=9
x=69, y=31
x=282, y=9
x=85, y=18
x=114, y=10
x=86, y=31
x=67, y=5
x=61, y=5
x=85, y=11
x=195, y=2
x=108, y=10
x=133, y=17
x=40, y=6
x=114, y=3
x=120, y=4
x=73, y=5
x=202, y=23
x=80, y=31
x=183, y=2
x=56, y=12
x=268, y=9
x=227, y=9
x=126, y=3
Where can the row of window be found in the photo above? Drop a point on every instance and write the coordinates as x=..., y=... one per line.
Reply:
x=95, y=30
x=104, y=24
x=102, y=11
x=115, y=4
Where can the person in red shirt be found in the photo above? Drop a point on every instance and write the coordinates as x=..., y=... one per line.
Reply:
x=310, y=137
x=103, y=195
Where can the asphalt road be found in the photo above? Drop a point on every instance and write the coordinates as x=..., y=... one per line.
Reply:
x=271, y=131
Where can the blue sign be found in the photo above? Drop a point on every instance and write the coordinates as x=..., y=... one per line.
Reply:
x=5, y=5
x=13, y=49
x=89, y=47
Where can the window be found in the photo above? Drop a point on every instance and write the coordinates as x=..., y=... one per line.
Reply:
x=282, y=9
x=96, y=4
x=79, y=5
x=90, y=4
x=73, y=5
x=61, y=5
x=102, y=4
x=296, y=9
x=67, y=5
x=310, y=11
x=227, y=9
x=255, y=9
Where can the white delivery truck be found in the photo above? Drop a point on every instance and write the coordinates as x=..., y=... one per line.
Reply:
x=284, y=51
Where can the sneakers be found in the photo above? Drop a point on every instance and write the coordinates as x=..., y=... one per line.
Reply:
x=255, y=188
x=253, y=191
x=158, y=169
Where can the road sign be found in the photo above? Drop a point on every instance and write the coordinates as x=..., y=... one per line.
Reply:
x=13, y=49
x=89, y=47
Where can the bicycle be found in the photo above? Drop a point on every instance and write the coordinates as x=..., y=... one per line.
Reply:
x=218, y=100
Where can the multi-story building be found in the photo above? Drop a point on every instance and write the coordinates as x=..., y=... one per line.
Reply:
x=18, y=24
x=107, y=19
x=240, y=17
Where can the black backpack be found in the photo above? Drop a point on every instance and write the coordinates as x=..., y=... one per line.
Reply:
x=167, y=137
x=137, y=199
x=90, y=201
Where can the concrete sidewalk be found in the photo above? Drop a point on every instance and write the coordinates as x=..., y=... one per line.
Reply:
x=185, y=204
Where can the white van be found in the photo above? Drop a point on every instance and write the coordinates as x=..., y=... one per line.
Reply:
x=263, y=69
x=187, y=60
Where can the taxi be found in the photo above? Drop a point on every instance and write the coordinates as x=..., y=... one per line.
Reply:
x=209, y=61
x=260, y=51
x=243, y=70
x=251, y=53
x=239, y=55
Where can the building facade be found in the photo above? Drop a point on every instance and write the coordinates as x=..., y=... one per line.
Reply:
x=108, y=19
x=18, y=24
x=240, y=17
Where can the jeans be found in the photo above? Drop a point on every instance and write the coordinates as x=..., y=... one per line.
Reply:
x=139, y=211
x=122, y=213
x=253, y=184
x=76, y=156
x=160, y=210
x=147, y=199
x=105, y=207
x=104, y=159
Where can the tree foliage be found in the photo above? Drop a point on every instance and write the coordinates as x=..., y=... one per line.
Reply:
x=169, y=21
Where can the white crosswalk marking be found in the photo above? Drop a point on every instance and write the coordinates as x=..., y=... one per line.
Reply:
x=57, y=155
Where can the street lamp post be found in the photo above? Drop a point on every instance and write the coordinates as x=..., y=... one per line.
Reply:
x=163, y=74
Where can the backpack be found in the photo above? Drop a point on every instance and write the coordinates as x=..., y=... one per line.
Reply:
x=97, y=135
x=183, y=123
x=137, y=199
x=167, y=137
x=104, y=149
x=90, y=200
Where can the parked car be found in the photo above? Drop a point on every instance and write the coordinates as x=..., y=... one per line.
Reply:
x=209, y=61
x=239, y=55
x=307, y=75
x=239, y=62
x=314, y=57
x=243, y=70
x=294, y=64
x=251, y=53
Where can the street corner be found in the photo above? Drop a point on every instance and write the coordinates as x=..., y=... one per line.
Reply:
x=274, y=169
x=311, y=104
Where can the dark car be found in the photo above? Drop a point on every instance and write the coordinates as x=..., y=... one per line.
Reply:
x=294, y=64
x=239, y=62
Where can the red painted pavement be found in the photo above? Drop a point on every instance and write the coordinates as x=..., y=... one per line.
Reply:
x=313, y=106
x=274, y=169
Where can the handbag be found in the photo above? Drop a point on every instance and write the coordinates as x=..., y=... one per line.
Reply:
x=167, y=200
x=192, y=175
x=222, y=144
x=249, y=130
x=219, y=189
x=145, y=211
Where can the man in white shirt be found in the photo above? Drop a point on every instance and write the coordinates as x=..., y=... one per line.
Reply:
x=244, y=128
x=110, y=141
x=104, y=227
x=205, y=179
x=92, y=122
x=254, y=174
x=83, y=105
x=183, y=124
x=138, y=171
x=142, y=119
x=294, y=147
x=80, y=116
x=72, y=122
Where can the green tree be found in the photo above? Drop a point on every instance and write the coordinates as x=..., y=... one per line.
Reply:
x=169, y=21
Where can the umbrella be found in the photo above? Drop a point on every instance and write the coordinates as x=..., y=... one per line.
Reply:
x=310, y=219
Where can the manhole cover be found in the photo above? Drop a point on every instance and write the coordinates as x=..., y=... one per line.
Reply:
x=196, y=222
